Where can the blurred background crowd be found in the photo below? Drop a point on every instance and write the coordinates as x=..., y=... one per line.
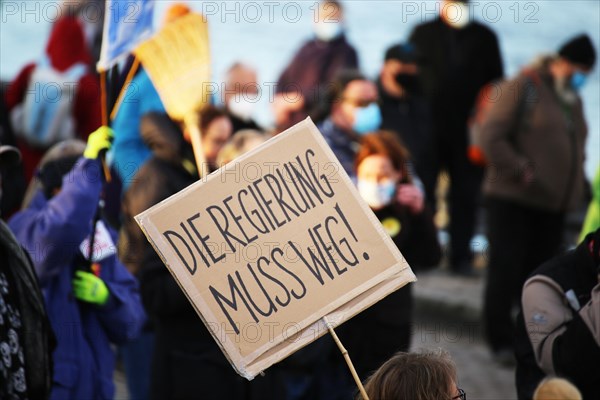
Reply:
x=444, y=139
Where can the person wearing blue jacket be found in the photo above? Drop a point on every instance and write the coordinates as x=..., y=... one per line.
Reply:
x=129, y=152
x=90, y=304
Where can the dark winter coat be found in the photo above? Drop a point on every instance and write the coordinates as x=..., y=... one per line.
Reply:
x=187, y=362
x=375, y=334
x=558, y=331
x=161, y=176
x=454, y=64
x=36, y=338
x=410, y=118
x=314, y=67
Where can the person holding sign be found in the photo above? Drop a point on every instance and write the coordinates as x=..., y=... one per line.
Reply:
x=185, y=357
x=385, y=184
x=92, y=300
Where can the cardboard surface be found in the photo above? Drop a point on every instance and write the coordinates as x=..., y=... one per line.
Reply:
x=268, y=245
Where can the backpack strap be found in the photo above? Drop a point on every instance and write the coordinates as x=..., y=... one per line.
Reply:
x=528, y=98
x=76, y=71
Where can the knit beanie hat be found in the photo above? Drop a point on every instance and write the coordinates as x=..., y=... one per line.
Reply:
x=405, y=52
x=9, y=155
x=56, y=163
x=579, y=50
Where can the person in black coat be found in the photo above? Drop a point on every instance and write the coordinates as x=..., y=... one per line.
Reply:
x=558, y=329
x=187, y=362
x=406, y=112
x=457, y=57
x=13, y=186
x=26, y=337
x=384, y=182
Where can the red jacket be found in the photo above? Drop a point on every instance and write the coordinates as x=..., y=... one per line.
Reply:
x=66, y=47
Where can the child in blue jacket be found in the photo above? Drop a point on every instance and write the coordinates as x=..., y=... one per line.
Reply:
x=91, y=304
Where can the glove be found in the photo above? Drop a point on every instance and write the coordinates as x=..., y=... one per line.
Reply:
x=100, y=140
x=89, y=288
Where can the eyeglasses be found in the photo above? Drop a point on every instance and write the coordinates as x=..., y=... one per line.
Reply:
x=461, y=395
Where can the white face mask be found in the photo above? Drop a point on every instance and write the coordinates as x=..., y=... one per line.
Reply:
x=327, y=31
x=241, y=107
x=456, y=14
x=377, y=195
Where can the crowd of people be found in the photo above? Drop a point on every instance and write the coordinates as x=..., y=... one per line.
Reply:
x=71, y=186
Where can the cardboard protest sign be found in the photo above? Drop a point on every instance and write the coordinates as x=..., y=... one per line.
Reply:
x=274, y=244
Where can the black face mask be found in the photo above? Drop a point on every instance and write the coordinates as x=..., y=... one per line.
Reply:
x=409, y=82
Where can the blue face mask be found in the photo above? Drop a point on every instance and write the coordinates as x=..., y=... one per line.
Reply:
x=367, y=119
x=578, y=79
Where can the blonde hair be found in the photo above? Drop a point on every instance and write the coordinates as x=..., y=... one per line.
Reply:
x=242, y=142
x=426, y=375
x=556, y=389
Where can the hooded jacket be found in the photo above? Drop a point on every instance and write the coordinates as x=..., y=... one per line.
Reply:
x=52, y=231
x=66, y=47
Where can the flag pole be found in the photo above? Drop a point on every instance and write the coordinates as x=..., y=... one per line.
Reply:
x=105, y=122
x=103, y=105
x=128, y=79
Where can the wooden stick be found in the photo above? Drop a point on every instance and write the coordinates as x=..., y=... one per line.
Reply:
x=361, y=388
x=128, y=79
x=103, y=98
x=104, y=113
x=192, y=124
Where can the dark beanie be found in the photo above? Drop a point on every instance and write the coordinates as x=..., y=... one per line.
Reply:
x=579, y=50
x=405, y=53
x=51, y=174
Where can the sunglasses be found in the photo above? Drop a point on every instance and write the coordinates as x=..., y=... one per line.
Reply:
x=461, y=395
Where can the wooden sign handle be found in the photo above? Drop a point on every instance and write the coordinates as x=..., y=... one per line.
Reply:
x=339, y=344
x=192, y=124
